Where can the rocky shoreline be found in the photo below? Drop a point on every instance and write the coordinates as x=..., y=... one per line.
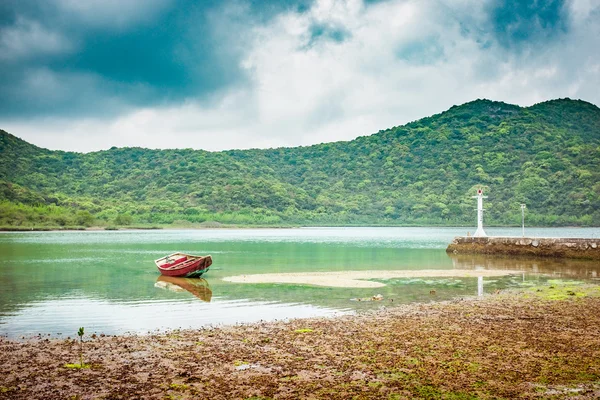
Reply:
x=572, y=248
x=534, y=343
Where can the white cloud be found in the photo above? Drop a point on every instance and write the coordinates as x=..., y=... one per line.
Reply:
x=581, y=9
x=28, y=38
x=188, y=125
x=332, y=90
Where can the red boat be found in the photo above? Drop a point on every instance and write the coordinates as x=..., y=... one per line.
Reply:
x=184, y=265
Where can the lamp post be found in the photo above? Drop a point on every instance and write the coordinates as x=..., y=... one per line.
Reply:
x=523, y=218
x=480, y=232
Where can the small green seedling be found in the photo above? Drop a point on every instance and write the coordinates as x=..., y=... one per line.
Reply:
x=80, y=333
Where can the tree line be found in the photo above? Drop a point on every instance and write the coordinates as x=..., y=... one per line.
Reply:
x=422, y=173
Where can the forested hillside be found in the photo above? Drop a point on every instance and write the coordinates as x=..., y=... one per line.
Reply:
x=425, y=172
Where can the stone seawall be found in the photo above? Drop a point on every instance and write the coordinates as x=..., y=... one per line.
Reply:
x=539, y=247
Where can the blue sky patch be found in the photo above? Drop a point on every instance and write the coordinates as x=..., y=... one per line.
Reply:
x=521, y=22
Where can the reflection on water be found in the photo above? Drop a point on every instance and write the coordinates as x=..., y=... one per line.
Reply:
x=63, y=317
x=196, y=286
x=556, y=267
x=532, y=267
x=55, y=282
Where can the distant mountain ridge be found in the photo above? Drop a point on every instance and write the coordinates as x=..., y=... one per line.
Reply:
x=546, y=156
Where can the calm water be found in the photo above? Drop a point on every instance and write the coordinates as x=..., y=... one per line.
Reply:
x=55, y=282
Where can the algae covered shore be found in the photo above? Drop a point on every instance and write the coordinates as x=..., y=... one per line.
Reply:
x=536, y=343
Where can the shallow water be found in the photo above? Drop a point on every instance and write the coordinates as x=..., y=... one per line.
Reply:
x=106, y=281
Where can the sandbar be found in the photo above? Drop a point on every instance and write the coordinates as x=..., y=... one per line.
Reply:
x=360, y=279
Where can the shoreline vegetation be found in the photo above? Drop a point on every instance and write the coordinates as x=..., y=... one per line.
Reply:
x=217, y=225
x=539, y=342
x=423, y=173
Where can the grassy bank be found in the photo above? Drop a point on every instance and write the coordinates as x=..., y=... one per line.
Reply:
x=537, y=343
x=72, y=228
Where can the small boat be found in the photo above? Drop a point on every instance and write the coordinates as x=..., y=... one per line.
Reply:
x=183, y=265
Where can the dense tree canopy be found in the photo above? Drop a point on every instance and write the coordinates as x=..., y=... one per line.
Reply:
x=425, y=172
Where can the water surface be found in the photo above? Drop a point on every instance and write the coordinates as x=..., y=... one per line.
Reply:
x=55, y=282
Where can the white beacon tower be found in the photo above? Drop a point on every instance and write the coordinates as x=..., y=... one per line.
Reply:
x=480, y=232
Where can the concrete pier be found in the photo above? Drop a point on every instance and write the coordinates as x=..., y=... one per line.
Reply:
x=539, y=247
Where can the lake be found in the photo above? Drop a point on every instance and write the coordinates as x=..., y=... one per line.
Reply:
x=106, y=281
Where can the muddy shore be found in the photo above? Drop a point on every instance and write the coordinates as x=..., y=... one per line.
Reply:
x=536, y=343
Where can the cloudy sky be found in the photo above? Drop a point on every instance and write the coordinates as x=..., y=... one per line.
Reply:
x=87, y=75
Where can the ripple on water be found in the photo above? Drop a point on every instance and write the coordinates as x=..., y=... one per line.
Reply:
x=55, y=282
x=62, y=317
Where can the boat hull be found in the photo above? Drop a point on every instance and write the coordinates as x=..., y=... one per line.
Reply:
x=191, y=267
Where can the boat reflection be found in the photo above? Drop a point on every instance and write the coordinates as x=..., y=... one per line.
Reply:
x=557, y=267
x=197, y=286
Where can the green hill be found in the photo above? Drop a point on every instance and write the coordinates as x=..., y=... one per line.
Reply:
x=424, y=172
